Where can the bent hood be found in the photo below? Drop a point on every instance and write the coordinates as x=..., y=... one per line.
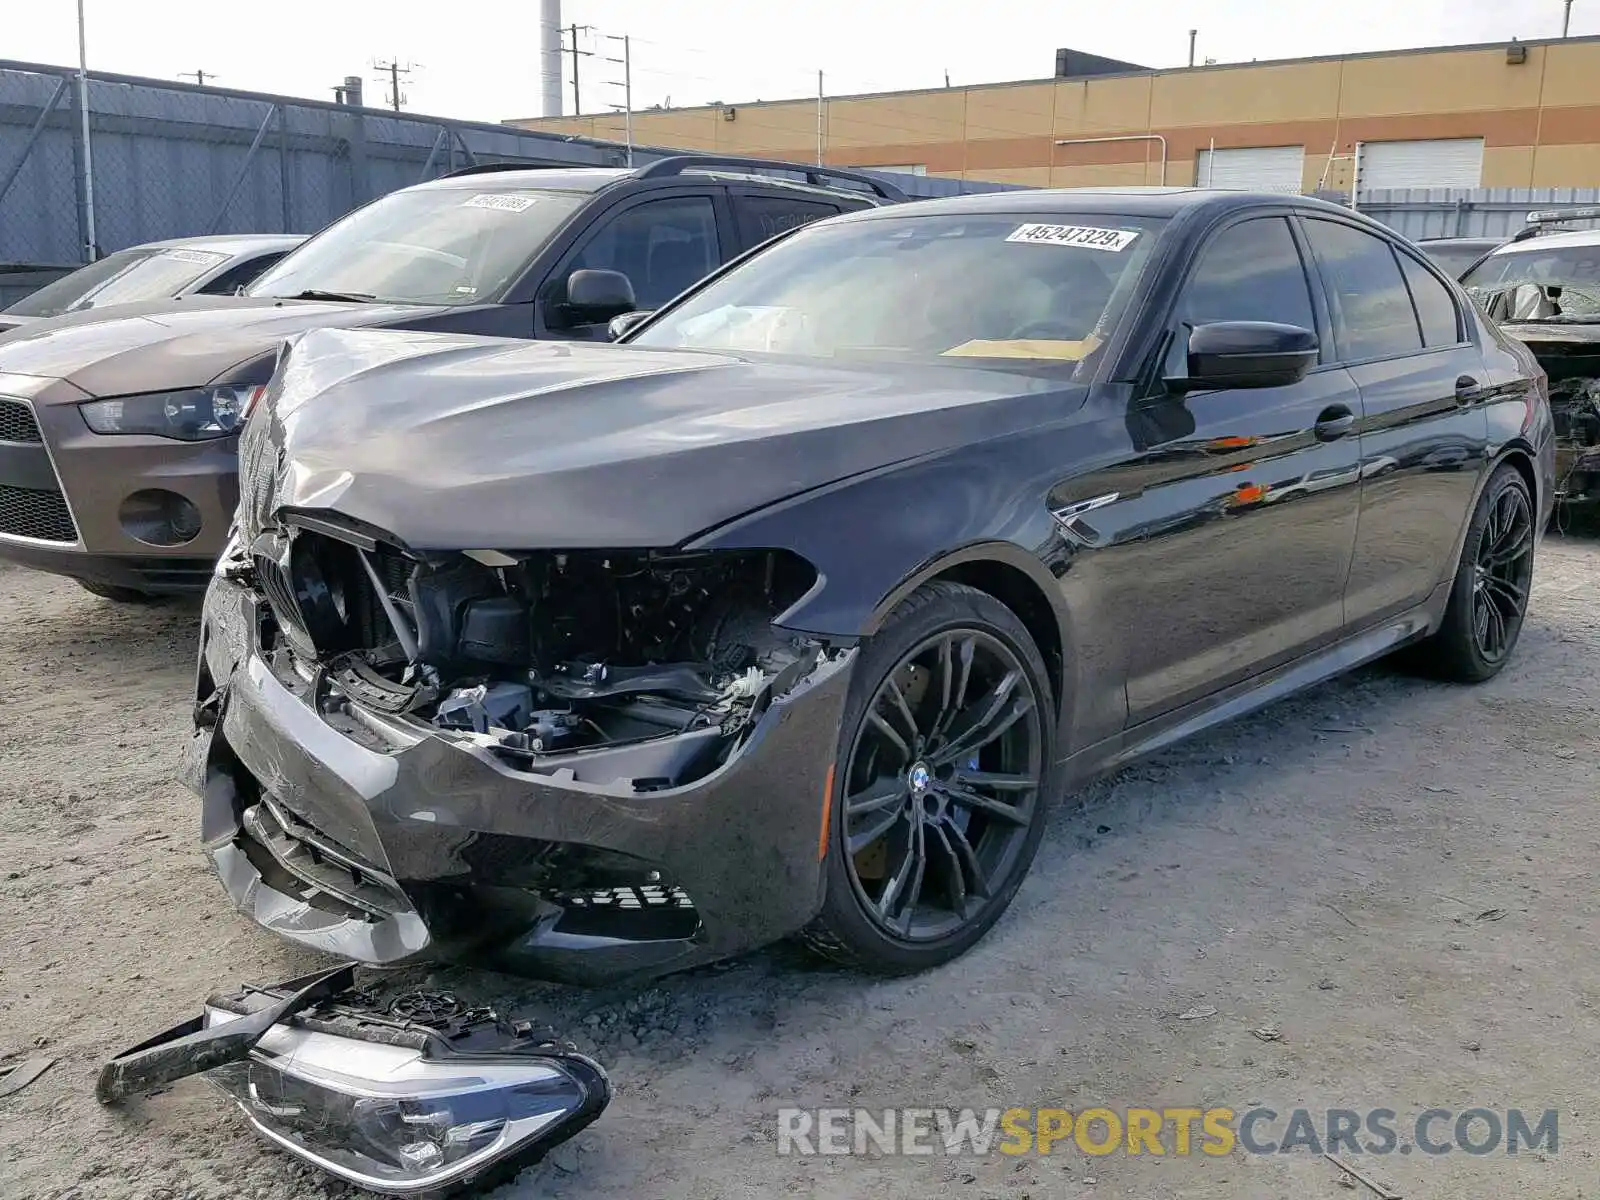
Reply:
x=456, y=442
x=175, y=343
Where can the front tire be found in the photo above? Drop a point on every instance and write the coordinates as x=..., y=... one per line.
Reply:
x=941, y=778
x=122, y=595
x=1489, y=600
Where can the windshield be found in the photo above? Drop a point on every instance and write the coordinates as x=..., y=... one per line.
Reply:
x=1548, y=283
x=424, y=246
x=925, y=288
x=126, y=277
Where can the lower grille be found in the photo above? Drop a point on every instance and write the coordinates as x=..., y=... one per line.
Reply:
x=320, y=870
x=36, y=514
x=17, y=423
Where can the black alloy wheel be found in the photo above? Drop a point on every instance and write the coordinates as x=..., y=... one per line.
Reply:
x=940, y=783
x=1489, y=599
x=1504, y=574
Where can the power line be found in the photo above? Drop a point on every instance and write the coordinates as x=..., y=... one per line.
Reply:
x=394, y=71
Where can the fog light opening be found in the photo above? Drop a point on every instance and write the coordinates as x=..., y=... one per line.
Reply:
x=158, y=517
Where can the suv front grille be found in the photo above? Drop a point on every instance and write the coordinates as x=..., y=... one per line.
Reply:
x=34, y=514
x=17, y=423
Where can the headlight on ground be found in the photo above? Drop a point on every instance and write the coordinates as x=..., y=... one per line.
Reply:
x=191, y=415
x=399, y=1121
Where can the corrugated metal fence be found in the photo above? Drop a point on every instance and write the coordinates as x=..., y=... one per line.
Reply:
x=173, y=160
x=1459, y=212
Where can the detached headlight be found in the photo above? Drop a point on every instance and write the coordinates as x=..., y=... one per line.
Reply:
x=402, y=1121
x=191, y=415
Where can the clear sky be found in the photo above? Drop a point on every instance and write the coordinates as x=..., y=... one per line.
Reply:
x=478, y=59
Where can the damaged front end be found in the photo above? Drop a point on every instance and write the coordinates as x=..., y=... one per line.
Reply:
x=578, y=765
x=611, y=668
x=420, y=1098
x=1570, y=356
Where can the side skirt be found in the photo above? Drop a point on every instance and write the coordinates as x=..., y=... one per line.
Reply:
x=1114, y=753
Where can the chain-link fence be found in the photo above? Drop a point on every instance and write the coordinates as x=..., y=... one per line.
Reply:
x=172, y=160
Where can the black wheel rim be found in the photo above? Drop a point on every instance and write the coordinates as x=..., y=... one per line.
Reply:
x=1502, y=574
x=941, y=785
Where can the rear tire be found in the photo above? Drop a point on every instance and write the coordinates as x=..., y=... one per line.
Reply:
x=1489, y=599
x=122, y=595
x=942, y=775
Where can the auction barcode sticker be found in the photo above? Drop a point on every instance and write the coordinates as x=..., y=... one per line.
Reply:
x=1090, y=237
x=504, y=201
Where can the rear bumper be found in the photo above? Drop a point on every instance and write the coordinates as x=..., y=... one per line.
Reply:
x=388, y=843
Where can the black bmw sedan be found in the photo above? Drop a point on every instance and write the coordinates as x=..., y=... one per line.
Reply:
x=794, y=612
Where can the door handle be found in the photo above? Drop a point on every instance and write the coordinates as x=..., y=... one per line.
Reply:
x=1468, y=390
x=1336, y=421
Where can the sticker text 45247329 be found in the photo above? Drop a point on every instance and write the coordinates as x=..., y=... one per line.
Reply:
x=1090, y=237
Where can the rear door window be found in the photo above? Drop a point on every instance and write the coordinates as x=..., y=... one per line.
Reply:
x=762, y=218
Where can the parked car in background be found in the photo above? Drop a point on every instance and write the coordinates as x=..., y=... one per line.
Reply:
x=118, y=426
x=794, y=610
x=1543, y=287
x=1454, y=255
x=207, y=266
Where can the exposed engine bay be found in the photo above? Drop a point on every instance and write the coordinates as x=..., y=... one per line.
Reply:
x=1573, y=368
x=546, y=658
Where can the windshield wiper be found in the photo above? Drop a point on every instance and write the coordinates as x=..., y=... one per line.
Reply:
x=316, y=294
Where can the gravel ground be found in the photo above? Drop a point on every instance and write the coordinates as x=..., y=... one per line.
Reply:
x=1324, y=867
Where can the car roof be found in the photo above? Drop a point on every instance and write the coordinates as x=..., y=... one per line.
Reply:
x=1460, y=241
x=555, y=179
x=228, y=243
x=593, y=179
x=1543, y=241
x=1107, y=201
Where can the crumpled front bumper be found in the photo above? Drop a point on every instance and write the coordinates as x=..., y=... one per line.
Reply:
x=386, y=843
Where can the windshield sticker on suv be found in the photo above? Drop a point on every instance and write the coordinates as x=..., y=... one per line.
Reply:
x=1090, y=237
x=504, y=201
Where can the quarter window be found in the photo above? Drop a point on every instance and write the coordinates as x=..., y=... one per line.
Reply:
x=1249, y=272
x=1436, y=309
x=1372, y=312
x=663, y=246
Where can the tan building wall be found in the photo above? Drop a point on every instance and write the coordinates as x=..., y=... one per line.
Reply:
x=1540, y=119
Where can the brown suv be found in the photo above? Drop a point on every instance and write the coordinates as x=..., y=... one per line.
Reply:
x=118, y=427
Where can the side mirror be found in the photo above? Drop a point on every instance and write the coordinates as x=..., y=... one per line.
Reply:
x=594, y=296
x=1247, y=354
x=627, y=321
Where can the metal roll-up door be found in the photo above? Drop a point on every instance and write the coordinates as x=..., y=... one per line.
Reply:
x=1434, y=163
x=1252, y=169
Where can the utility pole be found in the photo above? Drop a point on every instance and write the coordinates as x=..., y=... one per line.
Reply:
x=626, y=62
x=1566, y=20
x=199, y=76
x=577, y=97
x=91, y=247
x=819, y=118
x=394, y=71
x=1193, y=33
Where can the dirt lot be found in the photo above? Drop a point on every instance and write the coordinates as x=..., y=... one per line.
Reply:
x=1323, y=867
